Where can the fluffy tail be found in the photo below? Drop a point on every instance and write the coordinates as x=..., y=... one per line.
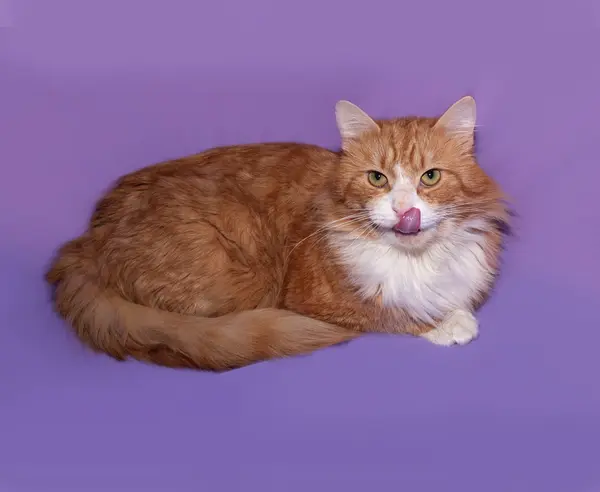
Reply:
x=111, y=324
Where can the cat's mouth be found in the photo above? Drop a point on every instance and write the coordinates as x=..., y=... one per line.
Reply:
x=414, y=238
x=400, y=232
x=409, y=222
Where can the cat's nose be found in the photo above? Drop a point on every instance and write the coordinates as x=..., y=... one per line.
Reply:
x=409, y=221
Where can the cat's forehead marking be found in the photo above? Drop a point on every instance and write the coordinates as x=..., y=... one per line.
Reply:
x=389, y=154
x=415, y=161
x=402, y=177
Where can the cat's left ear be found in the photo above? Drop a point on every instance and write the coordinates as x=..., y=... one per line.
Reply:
x=352, y=121
x=460, y=119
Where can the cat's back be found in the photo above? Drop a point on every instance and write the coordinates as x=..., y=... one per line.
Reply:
x=284, y=162
x=256, y=174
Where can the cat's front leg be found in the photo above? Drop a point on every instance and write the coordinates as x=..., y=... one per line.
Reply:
x=458, y=327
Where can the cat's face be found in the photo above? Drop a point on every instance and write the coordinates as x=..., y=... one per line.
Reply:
x=413, y=181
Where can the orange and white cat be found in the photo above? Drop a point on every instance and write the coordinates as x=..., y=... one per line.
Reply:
x=246, y=253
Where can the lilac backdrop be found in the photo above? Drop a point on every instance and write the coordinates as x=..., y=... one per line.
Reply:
x=92, y=89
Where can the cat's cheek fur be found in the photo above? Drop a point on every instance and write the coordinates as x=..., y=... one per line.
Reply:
x=429, y=215
x=381, y=211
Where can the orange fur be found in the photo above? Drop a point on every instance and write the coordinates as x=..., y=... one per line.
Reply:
x=224, y=258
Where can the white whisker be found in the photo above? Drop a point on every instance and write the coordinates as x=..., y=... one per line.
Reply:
x=347, y=220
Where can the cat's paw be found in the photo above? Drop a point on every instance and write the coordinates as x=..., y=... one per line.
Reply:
x=459, y=327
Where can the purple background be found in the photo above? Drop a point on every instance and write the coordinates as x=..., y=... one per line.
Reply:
x=92, y=89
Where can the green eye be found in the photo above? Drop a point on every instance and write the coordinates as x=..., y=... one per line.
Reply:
x=431, y=177
x=377, y=179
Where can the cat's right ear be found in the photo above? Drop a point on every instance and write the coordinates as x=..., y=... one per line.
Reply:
x=352, y=122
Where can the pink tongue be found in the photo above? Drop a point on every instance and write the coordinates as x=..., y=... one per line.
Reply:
x=410, y=222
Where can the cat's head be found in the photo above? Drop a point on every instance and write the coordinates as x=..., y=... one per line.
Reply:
x=411, y=181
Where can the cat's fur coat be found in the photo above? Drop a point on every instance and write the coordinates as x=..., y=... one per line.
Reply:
x=247, y=253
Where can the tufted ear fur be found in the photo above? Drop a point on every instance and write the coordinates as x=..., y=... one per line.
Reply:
x=459, y=120
x=352, y=122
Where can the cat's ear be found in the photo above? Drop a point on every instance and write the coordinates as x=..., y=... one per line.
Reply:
x=352, y=122
x=460, y=119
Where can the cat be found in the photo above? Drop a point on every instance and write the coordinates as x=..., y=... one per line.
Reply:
x=246, y=253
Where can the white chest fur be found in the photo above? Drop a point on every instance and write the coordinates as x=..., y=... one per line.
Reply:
x=444, y=278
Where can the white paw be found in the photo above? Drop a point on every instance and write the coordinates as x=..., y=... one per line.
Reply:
x=459, y=327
